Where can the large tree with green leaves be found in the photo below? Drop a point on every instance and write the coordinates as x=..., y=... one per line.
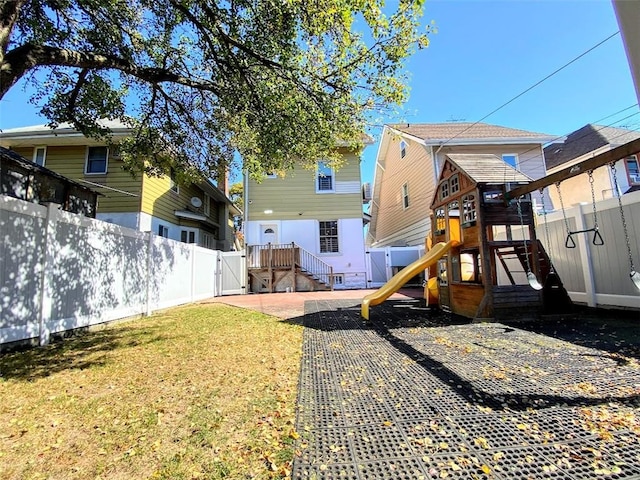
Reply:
x=278, y=81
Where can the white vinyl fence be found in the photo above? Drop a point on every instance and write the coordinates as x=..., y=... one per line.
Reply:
x=60, y=271
x=596, y=275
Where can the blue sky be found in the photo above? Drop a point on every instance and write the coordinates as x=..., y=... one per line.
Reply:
x=487, y=52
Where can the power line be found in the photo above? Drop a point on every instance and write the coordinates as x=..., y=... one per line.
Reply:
x=533, y=86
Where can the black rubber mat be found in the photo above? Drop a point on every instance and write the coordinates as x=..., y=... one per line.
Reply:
x=415, y=394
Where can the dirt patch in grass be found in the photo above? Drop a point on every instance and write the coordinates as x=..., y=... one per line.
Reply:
x=195, y=392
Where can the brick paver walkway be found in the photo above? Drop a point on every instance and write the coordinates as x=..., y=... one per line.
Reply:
x=414, y=396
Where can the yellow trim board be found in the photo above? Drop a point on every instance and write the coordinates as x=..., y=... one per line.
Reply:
x=404, y=275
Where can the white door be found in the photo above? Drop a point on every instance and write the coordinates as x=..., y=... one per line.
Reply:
x=268, y=234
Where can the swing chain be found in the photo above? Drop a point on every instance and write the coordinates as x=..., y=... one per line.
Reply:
x=569, y=243
x=624, y=221
x=593, y=202
x=564, y=213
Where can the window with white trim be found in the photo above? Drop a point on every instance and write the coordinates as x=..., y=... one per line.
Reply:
x=329, y=236
x=403, y=149
x=39, y=155
x=324, y=178
x=632, y=169
x=96, y=160
x=338, y=279
x=188, y=236
x=163, y=231
x=173, y=181
x=405, y=196
x=511, y=159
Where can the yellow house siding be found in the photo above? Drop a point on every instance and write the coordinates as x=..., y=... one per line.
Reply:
x=160, y=201
x=415, y=170
x=69, y=161
x=294, y=197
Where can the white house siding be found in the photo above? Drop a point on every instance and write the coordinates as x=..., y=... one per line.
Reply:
x=349, y=262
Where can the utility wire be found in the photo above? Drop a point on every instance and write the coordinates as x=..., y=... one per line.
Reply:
x=533, y=86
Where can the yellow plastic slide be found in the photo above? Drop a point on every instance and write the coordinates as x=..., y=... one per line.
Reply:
x=404, y=275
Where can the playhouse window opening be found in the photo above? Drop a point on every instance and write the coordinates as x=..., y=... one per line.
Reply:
x=440, y=221
x=469, y=214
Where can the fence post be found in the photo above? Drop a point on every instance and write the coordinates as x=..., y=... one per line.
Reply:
x=46, y=281
x=270, y=268
x=148, y=309
x=584, y=247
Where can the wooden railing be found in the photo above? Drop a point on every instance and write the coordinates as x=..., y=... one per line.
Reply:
x=289, y=255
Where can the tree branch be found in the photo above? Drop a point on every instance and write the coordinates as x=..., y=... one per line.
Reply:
x=20, y=60
x=9, y=13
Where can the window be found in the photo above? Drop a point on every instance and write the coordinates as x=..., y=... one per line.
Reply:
x=338, y=279
x=173, y=181
x=444, y=190
x=405, y=196
x=96, y=160
x=403, y=149
x=329, y=237
x=188, y=236
x=271, y=174
x=324, y=182
x=39, y=155
x=632, y=169
x=468, y=210
x=163, y=231
x=206, y=205
x=511, y=159
x=454, y=184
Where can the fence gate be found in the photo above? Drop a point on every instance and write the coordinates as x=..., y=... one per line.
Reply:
x=233, y=280
x=377, y=266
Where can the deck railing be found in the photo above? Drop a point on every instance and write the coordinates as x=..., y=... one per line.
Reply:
x=289, y=255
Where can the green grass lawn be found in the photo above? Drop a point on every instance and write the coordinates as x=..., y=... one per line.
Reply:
x=204, y=391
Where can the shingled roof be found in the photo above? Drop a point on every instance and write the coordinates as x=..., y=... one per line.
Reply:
x=457, y=133
x=487, y=168
x=585, y=140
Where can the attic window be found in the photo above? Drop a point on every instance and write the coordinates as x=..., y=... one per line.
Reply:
x=403, y=149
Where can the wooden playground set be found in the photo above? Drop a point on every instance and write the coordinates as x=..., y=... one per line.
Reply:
x=489, y=262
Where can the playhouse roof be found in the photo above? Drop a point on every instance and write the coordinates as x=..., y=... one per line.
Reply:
x=487, y=168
